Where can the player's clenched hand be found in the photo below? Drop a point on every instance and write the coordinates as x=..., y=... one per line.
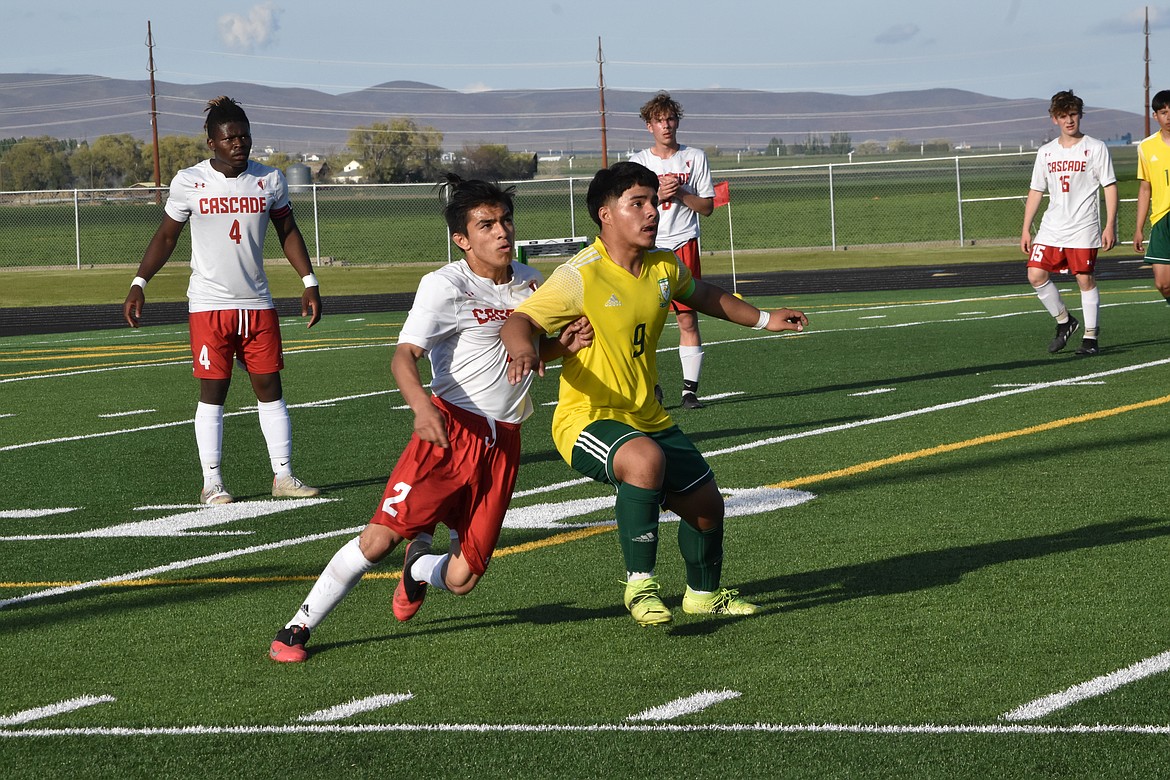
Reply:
x=132, y=307
x=430, y=426
x=786, y=319
x=577, y=335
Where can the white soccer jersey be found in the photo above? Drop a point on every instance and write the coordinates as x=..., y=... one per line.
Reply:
x=1071, y=177
x=677, y=224
x=456, y=317
x=229, y=217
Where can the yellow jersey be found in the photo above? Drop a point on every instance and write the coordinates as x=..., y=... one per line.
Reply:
x=1154, y=167
x=614, y=377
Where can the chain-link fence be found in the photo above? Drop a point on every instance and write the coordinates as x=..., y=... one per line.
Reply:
x=960, y=201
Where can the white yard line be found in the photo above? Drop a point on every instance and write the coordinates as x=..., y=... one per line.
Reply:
x=687, y=705
x=61, y=707
x=356, y=707
x=1098, y=686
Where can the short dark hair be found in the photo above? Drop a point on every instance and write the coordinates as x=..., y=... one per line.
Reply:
x=1065, y=103
x=612, y=182
x=221, y=111
x=460, y=196
x=1161, y=100
x=661, y=104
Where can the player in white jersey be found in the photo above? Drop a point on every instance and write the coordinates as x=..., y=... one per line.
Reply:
x=460, y=465
x=229, y=201
x=684, y=192
x=1071, y=168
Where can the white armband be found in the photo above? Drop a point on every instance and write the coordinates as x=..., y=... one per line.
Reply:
x=763, y=323
x=310, y=280
x=138, y=281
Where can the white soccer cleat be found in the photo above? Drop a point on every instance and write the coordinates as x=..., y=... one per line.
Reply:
x=289, y=486
x=215, y=494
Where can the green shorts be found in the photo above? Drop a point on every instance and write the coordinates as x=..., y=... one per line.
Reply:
x=593, y=452
x=1158, y=247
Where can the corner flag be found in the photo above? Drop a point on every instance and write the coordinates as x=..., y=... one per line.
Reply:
x=722, y=194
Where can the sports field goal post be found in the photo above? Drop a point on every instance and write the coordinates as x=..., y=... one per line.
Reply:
x=550, y=247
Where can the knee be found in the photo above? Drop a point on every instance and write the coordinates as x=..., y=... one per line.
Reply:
x=376, y=542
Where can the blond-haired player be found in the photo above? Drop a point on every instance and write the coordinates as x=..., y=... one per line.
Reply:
x=1070, y=168
x=684, y=192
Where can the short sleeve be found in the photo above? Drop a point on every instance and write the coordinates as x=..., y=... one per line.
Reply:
x=558, y=301
x=432, y=316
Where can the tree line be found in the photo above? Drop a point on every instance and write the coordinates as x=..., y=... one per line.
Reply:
x=395, y=151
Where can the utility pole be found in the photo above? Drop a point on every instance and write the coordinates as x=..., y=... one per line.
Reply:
x=601, y=90
x=1146, y=108
x=153, y=115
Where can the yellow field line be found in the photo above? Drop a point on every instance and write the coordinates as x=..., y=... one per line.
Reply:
x=583, y=533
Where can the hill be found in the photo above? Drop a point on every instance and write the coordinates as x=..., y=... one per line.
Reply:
x=303, y=120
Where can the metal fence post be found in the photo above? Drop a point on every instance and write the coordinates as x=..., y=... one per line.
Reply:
x=572, y=211
x=316, y=225
x=832, y=212
x=77, y=229
x=959, y=198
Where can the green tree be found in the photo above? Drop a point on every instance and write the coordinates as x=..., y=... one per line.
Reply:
x=937, y=145
x=37, y=164
x=776, y=147
x=176, y=152
x=840, y=143
x=279, y=160
x=110, y=161
x=494, y=161
x=898, y=146
x=397, y=151
x=868, y=149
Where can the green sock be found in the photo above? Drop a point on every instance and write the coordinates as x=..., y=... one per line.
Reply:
x=703, y=553
x=637, y=521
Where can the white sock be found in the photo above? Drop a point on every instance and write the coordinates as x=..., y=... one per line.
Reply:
x=1090, y=305
x=209, y=440
x=429, y=569
x=692, y=362
x=344, y=571
x=276, y=426
x=1049, y=295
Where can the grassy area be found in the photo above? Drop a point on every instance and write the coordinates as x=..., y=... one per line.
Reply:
x=938, y=533
x=109, y=284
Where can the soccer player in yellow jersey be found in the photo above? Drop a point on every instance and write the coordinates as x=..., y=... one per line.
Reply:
x=607, y=424
x=1154, y=195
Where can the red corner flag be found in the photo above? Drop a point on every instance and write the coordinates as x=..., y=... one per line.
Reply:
x=722, y=194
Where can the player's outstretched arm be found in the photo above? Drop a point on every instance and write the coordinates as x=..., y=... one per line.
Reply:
x=158, y=251
x=293, y=244
x=573, y=338
x=519, y=337
x=428, y=421
x=717, y=302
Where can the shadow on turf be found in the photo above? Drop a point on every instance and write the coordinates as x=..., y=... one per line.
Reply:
x=936, y=568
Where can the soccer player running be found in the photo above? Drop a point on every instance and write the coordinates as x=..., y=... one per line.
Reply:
x=607, y=424
x=229, y=201
x=460, y=465
x=1154, y=195
x=1071, y=168
x=684, y=192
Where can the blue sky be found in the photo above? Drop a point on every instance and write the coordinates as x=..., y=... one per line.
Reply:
x=1005, y=48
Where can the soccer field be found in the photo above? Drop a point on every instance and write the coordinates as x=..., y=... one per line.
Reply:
x=958, y=540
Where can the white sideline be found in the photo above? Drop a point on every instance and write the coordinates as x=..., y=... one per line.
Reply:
x=929, y=729
x=1098, y=686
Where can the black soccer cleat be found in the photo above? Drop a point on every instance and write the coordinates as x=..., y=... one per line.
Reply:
x=1063, y=331
x=658, y=393
x=289, y=645
x=691, y=401
x=409, y=594
x=1088, y=347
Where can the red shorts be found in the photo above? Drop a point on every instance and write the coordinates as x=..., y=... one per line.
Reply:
x=688, y=255
x=466, y=486
x=218, y=337
x=1063, y=260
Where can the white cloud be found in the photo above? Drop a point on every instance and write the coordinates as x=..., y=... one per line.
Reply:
x=253, y=30
x=1131, y=22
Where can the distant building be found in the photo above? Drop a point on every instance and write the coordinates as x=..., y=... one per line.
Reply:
x=351, y=173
